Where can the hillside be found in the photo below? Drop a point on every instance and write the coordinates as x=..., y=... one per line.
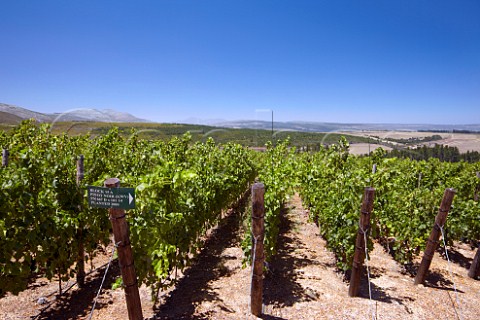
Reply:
x=84, y=114
x=310, y=126
x=309, y=135
x=23, y=113
x=8, y=118
x=166, y=131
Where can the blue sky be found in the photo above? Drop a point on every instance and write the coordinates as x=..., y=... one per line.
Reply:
x=408, y=61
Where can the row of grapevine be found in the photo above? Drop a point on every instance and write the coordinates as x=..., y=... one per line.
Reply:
x=276, y=170
x=180, y=199
x=39, y=208
x=408, y=195
x=331, y=186
x=181, y=189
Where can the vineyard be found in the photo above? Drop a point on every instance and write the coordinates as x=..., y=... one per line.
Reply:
x=181, y=191
x=408, y=195
x=186, y=191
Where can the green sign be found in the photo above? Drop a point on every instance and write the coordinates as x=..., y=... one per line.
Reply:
x=118, y=198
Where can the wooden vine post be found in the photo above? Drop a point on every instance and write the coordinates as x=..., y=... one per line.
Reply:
x=360, y=245
x=81, y=255
x=258, y=231
x=125, y=256
x=432, y=242
x=5, y=154
x=474, y=270
x=477, y=189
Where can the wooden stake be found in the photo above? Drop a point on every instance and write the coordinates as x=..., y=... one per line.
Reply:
x=258, y=230
x=81, y=254
x=477, y=189
x=433, y=242
x=364, y=228
x=475, y=267
x=5, y=155
x=80, y=169
x=474, y=271
x=125, y=257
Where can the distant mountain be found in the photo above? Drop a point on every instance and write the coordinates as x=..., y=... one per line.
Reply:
x=23, y=113
x=107, y=115
x=8, y=118
x=201, y=121
x=9, y=112
x=333, y=127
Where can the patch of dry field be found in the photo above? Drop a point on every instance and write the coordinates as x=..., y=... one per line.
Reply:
x=397, y=134
x=463, y=141
x=365, y=148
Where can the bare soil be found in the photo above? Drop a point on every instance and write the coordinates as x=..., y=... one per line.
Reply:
x=301, y=282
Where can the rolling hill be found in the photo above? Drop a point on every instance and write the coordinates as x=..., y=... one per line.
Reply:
x=10, y=113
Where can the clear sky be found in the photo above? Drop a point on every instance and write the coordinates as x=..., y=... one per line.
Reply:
x=394, y=61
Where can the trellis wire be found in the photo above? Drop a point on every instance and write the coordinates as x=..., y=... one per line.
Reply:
x=255, y=240
x=368, y=273
x=103, y=280
x=460, y=315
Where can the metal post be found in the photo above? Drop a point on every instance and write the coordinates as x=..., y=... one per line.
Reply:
x=272, y=126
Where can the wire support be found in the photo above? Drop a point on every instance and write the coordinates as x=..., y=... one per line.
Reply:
x=368, y=275
x=460, y=314
x=118, y=218
x=437, y=227
x=253, y=275
x=363, y=231
x=103, y=280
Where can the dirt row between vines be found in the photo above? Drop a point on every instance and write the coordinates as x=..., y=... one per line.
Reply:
x=301, y=283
